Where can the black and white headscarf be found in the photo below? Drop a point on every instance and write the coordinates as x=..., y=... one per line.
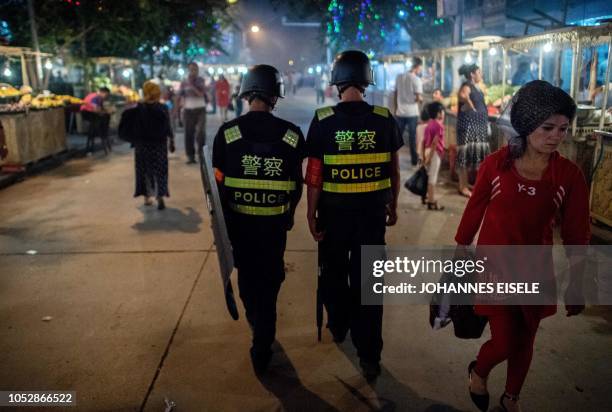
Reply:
x=535, y=102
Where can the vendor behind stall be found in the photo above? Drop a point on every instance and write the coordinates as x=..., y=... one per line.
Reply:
x=93, y=111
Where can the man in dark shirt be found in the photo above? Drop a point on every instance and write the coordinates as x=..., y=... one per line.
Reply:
x=353, y=186
x=257, y=160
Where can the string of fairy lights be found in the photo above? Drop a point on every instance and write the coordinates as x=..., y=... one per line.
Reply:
x=371, y=20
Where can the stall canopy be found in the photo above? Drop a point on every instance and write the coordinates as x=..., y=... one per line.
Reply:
x=27, y=58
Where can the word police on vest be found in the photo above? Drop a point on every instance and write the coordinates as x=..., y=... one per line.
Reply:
x=357, y=172
x=259, y=198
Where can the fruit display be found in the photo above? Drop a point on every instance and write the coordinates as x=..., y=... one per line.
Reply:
x=8, y=94
x=13, y=107
x=130, y=95
x=6, y=90
x=494, y=95
x=14, y=100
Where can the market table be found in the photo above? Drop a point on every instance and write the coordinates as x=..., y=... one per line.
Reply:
x=33, y=135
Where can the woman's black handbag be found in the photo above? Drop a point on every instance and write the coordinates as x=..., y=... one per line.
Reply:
x=417, y=183
x=467, y=324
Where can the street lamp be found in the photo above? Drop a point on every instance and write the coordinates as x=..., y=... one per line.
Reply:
x=255, y=28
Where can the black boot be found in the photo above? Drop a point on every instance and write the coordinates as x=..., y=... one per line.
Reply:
x=260, y=360
x=371, y=370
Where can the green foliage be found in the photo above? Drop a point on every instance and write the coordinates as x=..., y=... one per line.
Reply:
x=372, y=24
x=122, y=28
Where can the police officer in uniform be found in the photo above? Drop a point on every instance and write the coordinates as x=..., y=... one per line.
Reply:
x=353, y=186
x=257, y=159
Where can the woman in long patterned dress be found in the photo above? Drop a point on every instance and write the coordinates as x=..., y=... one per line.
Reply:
x=472, y=126
x=151, y=145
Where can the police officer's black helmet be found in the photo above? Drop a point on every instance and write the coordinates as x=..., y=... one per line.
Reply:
x=262, y=79
x=352, y=67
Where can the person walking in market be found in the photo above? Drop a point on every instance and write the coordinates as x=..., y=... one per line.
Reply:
x=150, y=132
x=353, y=186
x=472, y=126
x=408, y=94
x=257, y=160
x=193, y=100
x=521, y=191
x=222, y=89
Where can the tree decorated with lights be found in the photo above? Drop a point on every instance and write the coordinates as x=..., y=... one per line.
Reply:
x=372, y=24
x=375, y=25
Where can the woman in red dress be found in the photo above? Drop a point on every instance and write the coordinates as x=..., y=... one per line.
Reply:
x=520, y=190
x=222, y=89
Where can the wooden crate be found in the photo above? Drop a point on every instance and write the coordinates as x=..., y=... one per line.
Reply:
x=601, y=187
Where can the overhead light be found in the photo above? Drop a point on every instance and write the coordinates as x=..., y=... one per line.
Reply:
x=211, y=70
x=290, y=62
x=492, y=51
x=231, y=70
x=243, y=70
x=181, y=71
x=48, y=64
x=255, y=28
x=319, y=69
x=126, y=73
x=310, y=70
x=468, y=58
x=7, y=72
x=220, y=70
x=547, y=47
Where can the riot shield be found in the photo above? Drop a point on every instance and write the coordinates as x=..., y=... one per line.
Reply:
x=222, y=241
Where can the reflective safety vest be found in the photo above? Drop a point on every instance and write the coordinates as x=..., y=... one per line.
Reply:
x=258, y=174
x=356, y=156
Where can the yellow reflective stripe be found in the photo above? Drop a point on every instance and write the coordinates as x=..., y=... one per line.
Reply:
x=260, y=210
x=382, y=111
x=356, y=159
x=259, y=184
x=356, y=187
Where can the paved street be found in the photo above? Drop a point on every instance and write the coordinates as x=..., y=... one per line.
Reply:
x=122, y=303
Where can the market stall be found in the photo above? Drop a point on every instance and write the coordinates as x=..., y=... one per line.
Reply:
x=34, y=126
x=573, y=58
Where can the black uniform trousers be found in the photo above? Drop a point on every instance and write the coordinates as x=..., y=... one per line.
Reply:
x=340, y=282
x=259, y=247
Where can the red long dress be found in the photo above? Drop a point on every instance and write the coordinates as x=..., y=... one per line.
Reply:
x=222, y=89
x=514, y=210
